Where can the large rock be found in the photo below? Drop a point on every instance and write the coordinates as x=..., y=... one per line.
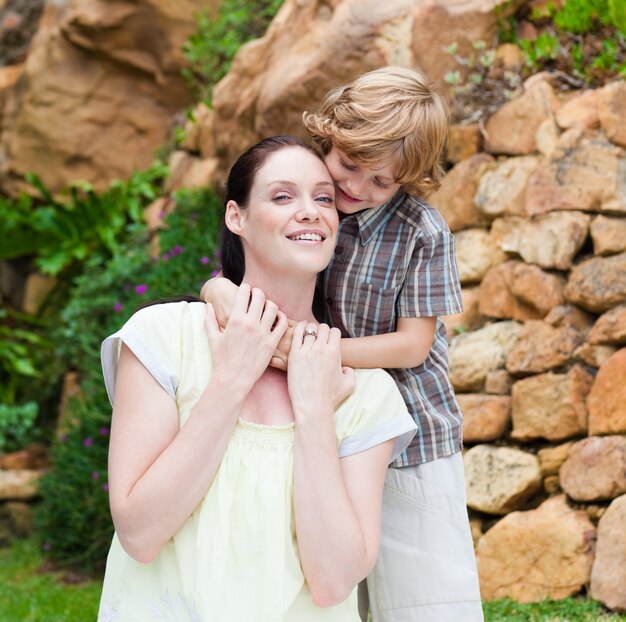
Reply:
x=474, y=355
x=485, y=417
x=584, y=173
x=551, y=406
x=476, y=252
x=313, y=46
x=502, y=189
x=98, y=92
x=519, y=291
x=19, y=483
x=511, y=129
x=608, y=575
x=593, y=355
x=463, y=141
x=610, y=327
x=607, y=398
x=598, y=284
x=469, y=318
x=549, y=343
x=543, y=553
x=455, y=198
x=579, y=111
x=612, y=111
x=500, y=479
x=595, y=469
x=551, y=458
x=551, y=241
x=608, y=235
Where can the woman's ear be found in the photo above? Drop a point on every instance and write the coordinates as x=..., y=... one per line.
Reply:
x=233, y=218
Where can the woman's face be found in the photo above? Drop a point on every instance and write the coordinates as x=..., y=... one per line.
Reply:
x=359, y=187
x=291, y=222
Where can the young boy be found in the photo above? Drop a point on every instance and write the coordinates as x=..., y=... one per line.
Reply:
x=392, y=276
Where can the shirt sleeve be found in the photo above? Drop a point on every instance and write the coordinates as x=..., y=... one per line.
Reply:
x=432, y=287
x=373, y=414
x=151, y=335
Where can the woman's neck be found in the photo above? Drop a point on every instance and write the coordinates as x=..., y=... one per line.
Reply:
x=294, y=296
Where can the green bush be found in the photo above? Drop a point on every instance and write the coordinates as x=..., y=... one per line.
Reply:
x=61, y=231
x=588, y=37
x=17, y=425
x=74, y=518
x=211, y=49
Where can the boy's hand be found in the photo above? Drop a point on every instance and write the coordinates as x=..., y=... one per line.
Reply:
x=280, y=358
x=220, y=293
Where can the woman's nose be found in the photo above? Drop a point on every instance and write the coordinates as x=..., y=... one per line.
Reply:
x=309, y=210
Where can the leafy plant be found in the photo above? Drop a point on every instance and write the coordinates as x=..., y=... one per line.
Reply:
x=17, y=426
x=61, y=231
x=21, y=351
x=584, y=37
x=212, y=48
x=74, y=518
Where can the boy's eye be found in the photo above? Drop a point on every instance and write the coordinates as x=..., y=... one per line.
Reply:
x=380, y=184
x=348, y=165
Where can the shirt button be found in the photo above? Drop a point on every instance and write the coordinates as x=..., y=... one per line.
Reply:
x=329, y=301
x=338, y=250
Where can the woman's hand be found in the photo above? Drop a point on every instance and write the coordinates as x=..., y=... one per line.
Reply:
x=242, y=351
x=316, y=380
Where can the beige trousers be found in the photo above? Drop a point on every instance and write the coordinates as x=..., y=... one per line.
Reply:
x=426, y=569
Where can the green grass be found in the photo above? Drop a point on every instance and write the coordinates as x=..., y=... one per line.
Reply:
x=27, y=595
x=568, y=610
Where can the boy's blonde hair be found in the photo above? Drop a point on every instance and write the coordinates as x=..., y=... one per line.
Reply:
x=389, y=112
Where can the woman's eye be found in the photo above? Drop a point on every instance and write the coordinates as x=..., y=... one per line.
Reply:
x=281, y=197
x=326, y=199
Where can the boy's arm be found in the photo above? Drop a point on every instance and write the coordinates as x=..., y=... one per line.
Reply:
x=220, y=292
x=407, y=347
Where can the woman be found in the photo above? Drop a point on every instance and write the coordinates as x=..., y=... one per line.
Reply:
x=238, y=491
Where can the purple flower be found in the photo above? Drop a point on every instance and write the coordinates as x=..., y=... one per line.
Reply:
x=105, y=487
x=104, y=431
x=177, y=250
x=214, y=273
x=46, y=546
x=63, y=438
x=141, y=289
x=165, y=256
x=204, y=260
x=217, y=254
x=88, y=442
x=117, y=307
x=162, y=214
x=95, y=475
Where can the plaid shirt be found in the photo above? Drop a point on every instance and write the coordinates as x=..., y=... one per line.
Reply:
x=399, y=261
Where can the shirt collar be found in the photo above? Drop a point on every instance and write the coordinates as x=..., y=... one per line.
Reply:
x=371, y=220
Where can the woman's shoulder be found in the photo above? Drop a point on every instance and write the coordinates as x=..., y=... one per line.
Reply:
x=168, y=315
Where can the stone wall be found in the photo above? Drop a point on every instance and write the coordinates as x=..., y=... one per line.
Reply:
x=538, y=357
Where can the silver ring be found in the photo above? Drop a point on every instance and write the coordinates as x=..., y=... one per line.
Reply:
x=309, y=333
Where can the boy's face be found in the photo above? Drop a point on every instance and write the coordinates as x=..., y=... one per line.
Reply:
x=359, y=187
